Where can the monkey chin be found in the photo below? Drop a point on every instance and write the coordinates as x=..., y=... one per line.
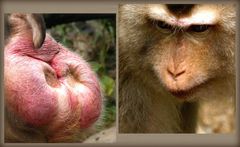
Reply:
x=209, y=89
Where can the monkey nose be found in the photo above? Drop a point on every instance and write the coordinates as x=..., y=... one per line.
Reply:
x=175, y=73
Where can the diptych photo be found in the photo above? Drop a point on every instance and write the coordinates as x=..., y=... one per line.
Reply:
x=151, y=68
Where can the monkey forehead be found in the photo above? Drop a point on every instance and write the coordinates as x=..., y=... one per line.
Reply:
x=201, y=14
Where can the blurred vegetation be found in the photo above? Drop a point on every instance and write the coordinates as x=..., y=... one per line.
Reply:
x=94, y=40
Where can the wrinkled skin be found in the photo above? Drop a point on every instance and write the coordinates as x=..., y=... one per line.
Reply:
x=49, y=90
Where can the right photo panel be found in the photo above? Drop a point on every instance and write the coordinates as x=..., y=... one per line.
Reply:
x=177, y=68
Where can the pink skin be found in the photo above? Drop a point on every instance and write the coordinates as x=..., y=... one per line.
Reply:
x=49, y=86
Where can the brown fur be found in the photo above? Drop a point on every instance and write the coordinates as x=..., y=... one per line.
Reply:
x=147, y=55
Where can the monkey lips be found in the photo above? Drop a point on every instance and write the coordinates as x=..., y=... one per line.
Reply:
x=50, y=86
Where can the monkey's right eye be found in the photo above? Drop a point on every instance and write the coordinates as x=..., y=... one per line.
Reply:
x=199, y=28
x=163, y=25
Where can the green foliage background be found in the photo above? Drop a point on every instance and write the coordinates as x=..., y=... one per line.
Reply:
x=95, y=41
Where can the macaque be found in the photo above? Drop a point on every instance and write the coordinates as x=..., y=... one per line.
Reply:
x=51, y=94
x=172, y=57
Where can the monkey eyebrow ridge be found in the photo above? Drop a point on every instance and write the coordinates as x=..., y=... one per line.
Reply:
x=199, y=17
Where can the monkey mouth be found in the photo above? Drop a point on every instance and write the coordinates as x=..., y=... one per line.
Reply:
x=182, y=94
x=187, y=93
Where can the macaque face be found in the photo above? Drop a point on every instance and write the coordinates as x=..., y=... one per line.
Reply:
x=184, y=50
x=49, y=87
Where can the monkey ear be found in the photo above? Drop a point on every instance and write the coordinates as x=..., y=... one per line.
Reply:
x=18, y=23
x=37, y=24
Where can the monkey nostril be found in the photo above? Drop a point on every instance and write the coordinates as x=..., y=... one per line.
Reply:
x=175, y=73
x=170, y=72
x=180, y=73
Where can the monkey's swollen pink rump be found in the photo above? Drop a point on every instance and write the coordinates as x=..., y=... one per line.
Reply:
x=50, y=86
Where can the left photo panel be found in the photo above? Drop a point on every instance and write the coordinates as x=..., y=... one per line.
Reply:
x=59, y=78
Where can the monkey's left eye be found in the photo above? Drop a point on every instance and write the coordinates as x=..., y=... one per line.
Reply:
x=199, y=28
x=163, y=25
